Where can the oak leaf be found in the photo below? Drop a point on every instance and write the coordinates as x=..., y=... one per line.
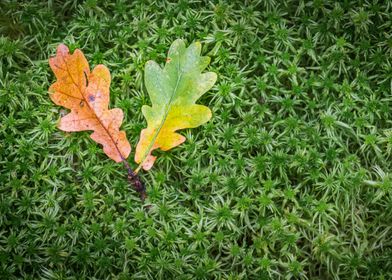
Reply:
x=86, y=94
x=173, y=91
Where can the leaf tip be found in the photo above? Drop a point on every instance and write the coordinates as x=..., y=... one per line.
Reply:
x=62, y=49
x=209, y=114
x=149, y=162
x=214, y=77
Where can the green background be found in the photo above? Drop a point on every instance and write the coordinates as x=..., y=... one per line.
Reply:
x=289, y=180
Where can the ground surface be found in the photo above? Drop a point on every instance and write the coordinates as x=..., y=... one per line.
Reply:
x=289, y=180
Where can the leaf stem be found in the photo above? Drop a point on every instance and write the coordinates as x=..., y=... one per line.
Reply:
x=138, y=168
x=135, y=181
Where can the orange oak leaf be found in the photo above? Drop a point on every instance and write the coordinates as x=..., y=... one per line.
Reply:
x=86, y=94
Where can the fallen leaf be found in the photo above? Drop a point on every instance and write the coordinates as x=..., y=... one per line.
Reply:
x=173, y=91
x=86, y=94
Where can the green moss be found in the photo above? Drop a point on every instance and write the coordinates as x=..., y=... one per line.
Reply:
x=289, y=180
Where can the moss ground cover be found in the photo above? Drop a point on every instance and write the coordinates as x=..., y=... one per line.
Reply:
x=291, y=178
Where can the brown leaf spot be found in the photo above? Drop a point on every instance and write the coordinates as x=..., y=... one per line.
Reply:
x=85, y=76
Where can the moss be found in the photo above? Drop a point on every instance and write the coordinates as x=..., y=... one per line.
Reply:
x=289, y=180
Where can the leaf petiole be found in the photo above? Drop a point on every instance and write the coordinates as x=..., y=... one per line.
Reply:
x=135, y=181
